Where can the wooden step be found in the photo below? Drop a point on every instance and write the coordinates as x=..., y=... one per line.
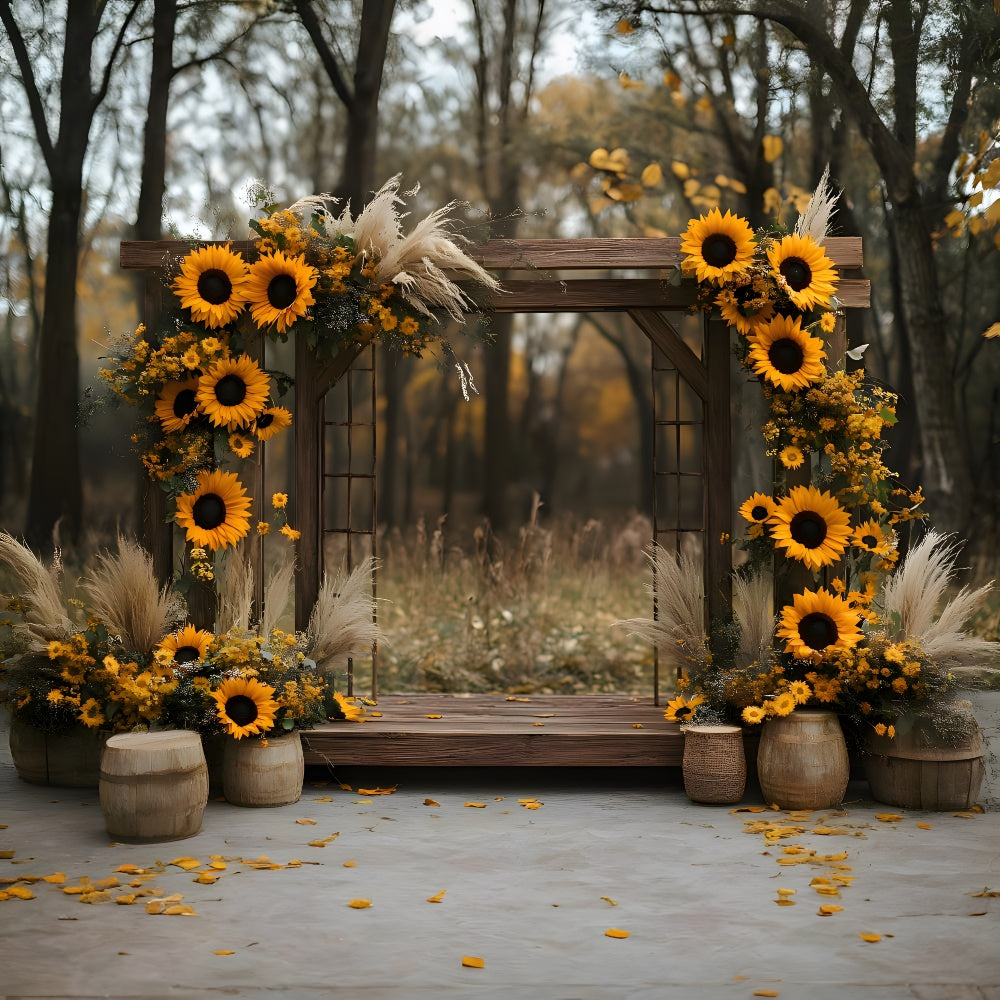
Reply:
x=502, y=731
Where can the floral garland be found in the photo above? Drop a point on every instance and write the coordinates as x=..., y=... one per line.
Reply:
x=336, y=281
x=842, y=642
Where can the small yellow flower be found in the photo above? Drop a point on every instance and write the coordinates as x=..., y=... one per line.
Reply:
x=881, y=729
x=291, y=533
x=791, y=457
x=827, y=322
x=263, y=528
x=754, y=714
x=279, y=500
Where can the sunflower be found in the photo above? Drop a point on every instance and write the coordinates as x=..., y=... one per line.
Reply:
x=783, y=704
x=744, y=308
x=869, y=536
x=817, y=622
x=681, y=709
x=279, y=289
x=90, y=713
x=187, y=644
x=342, y=708
x=245, y=706
x=791, y=457
x=233, y=392
x=810, y=526
x=176, y=406
x=807, y=270
x=211, y=284
x=717, y=246
x=271, y=421
x=758, y=508
x=800, y=691
x=754, y=714
x=217, y=513
x=241, y=444
x=783, y=353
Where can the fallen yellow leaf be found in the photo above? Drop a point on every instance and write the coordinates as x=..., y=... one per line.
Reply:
x=473, y=962
x=431, y=802
x=828, y=909
x=223, y=951
x=98, y=896
x=325, y=799
x=19, y=892
x=437, y=897
x=637, y=725
x=765, y=993
x=377, y=791
x=786, y=892
x=475, y=805
x=608, y=899
x=987, y=893
x=324, y=841
x=179, y=910
x=782, y=901
x=204, y=878
x=127, y=900
x=615, y=932
x=6, y=855
x=533, y=805
x=870, y=937
x=56, y=878
x=359, y=904
x=924, y=826
x=186, y=863
x=434, y=716
x=306, y=822
x=350, y=864
x=888, y=817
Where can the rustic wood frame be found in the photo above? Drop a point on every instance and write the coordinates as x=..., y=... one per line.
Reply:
x=543, y=290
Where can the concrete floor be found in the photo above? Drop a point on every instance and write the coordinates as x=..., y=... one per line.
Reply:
x=527, y=890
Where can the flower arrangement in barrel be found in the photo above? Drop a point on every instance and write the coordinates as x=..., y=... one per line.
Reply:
x=207, y=403
x=856, y=630
x=123, y=657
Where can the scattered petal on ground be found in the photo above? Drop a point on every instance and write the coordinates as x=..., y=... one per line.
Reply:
x=306, y=822
x=786, y=892
x=615, y=932
x=924, y=826
x=828, y=909
x=782, y=901
x=870, y=937
x=56, y=878
x=223, y=951
x=609, y=900
x=434, y=716
x=987, y=893
x=377, y=791
x=359, y=904
x=431, y=802
x=888, y=817
x=473, y=962
x=186, y=863
x=324, y=841
x=765, y=993
x=350, y=864
x=475, y=805
x=326, y=798
x=437, y=897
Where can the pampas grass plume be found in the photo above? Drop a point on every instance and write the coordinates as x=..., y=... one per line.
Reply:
x=342, y=622
x=45, y=617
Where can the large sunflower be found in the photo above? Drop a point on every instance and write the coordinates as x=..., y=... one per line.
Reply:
x=810, y=274
x=810, y=526
x=681, y=709
x=717, y=246
x=341, y=707
x=177, y=406
x=245, y=706
x=783, y=353
x=278, y=290
x=217, y=513
x=187, y=644
x=271, y=421
x=233, y=392
x=211, y=285
x=817, y=623
x=870, y=536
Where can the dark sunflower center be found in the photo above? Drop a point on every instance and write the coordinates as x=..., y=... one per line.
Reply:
x=187, y=654
x=818, y=630
x=718, y=250
x=869, y=541
x=265, y=420
x=759, y=513
x=184, y=403
x=214, y=286
x=808, y=529
x=241, y=709
x=745, y=293
x=786, y=356
x=208, y=511
x=797, y=272
x=281, y=291
x=230, y=390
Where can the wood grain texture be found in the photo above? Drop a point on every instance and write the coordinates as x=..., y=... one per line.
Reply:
x=490, y=731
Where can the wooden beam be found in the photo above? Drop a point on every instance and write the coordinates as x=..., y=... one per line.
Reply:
x=668, y=340
x=520, y=255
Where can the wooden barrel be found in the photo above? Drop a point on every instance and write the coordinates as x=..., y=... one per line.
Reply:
x=71, y=759
x=802, y=762
x=154, y=786
x=714, y=766
x=914, y=771
x=255, y=774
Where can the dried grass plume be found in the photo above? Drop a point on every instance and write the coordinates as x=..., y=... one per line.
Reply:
x=342, y=622
x=44, y=617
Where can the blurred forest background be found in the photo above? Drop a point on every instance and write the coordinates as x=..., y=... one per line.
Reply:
x=134, y=119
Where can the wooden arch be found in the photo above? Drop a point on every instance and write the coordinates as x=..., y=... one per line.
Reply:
x=550, y=276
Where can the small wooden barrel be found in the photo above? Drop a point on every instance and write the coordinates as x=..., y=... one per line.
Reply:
x=69, y=760
x=802, y=762
x=154, y=786
x=907, y=772
x=259, y=775
x=714, y=765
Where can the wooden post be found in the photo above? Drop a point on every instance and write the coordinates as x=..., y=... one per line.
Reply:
x=718, y=478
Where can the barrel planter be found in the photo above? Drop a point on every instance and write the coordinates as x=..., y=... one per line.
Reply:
x=802, y=762
x=154, y=786
x=714, y=765
x=69, y=759
x=917, y=770
x=263, y=772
